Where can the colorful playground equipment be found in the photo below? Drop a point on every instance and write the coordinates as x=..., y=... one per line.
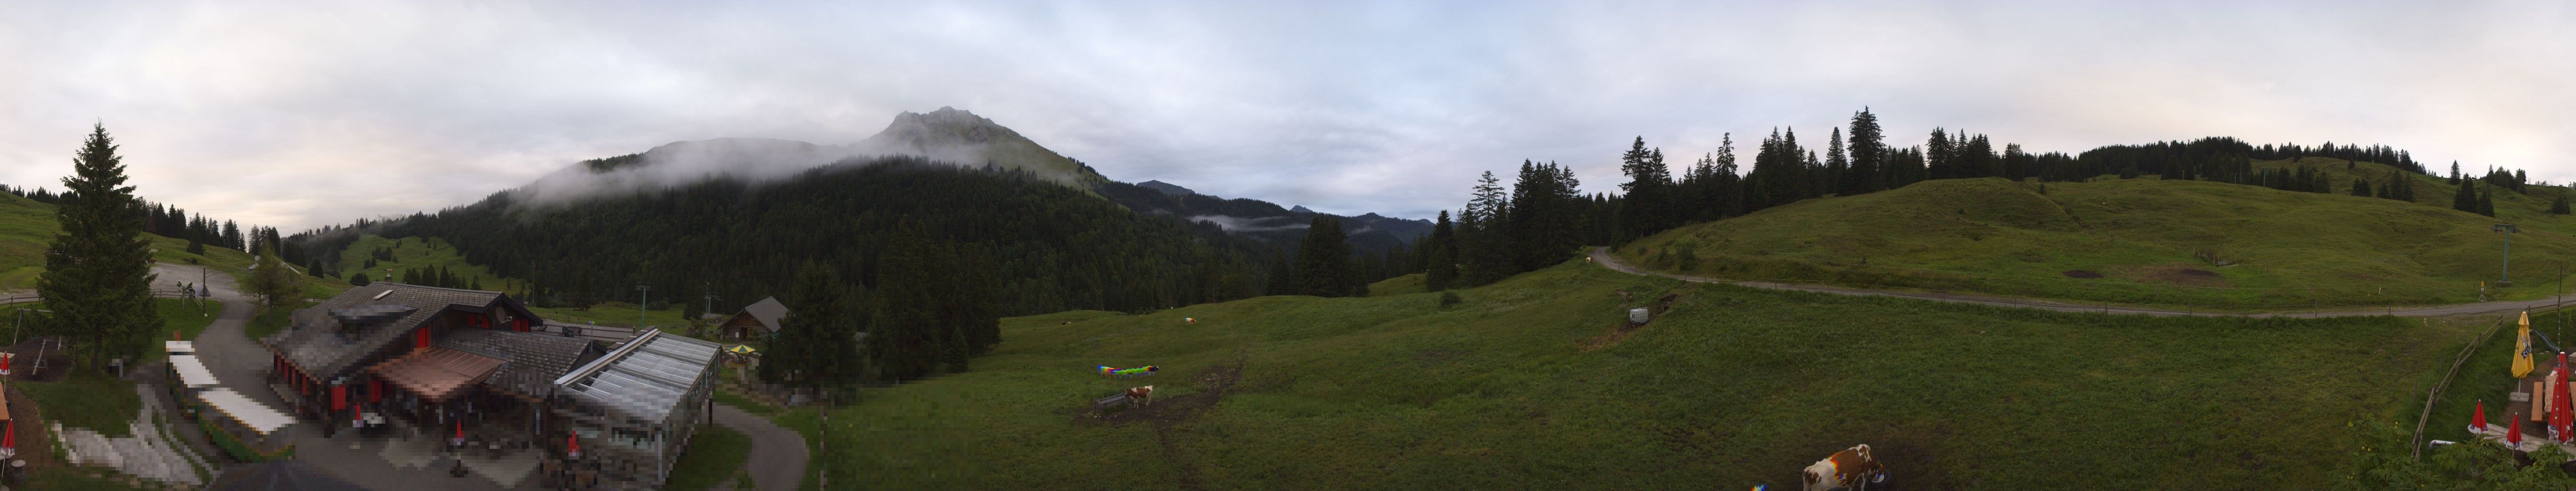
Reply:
x=1142, y=371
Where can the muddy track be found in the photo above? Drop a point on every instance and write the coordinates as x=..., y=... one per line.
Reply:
x=1167, y=413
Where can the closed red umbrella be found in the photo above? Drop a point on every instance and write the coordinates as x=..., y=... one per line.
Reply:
x=2478, y=420
x=574, y=444
x=2513, y=435
x=9, y=437
x=460, y=433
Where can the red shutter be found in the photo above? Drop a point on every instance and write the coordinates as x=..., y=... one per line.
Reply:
x=376, y=387
x=339, y=396
x=421, y=340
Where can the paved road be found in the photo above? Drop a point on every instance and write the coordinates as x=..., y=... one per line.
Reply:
x=777, y=461
x=1602, y=256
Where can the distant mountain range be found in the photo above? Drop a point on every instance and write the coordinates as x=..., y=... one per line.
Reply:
x=953, y=136
x=735, y=218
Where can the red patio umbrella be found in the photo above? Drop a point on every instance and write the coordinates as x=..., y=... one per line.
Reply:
x=2513, y=436
x=2478, y=420
x=574, y=443
x=460, y=433
x=9, y=437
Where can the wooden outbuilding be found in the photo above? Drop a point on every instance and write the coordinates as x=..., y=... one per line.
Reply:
x=757, y=320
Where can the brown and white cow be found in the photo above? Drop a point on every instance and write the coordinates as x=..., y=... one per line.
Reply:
x=1850, y=469
x=1143, y=396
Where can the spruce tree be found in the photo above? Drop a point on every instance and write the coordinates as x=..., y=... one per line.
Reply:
x=2466, y=199
x=359, y=279
x=2558, y=206
x=1441, y=255
x=1868, y=149
x=817, y=343
x=98, y=271
x=2361, y=187
x=2486, y=202
x=1324, y=259
x=1649, y=207
x=272, y=282
x=1837, y=163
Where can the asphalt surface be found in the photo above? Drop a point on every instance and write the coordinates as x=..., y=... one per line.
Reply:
x=777, y=460
x=1602, y=257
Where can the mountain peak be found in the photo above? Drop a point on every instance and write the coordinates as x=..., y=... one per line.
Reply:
x=1299, y=209
x=1167, y=188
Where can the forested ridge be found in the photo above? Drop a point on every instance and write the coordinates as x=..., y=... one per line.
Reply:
x=1050, y=247
x=1541, y=218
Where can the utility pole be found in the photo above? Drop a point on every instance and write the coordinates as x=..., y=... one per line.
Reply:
x=711, y=300
x=639, y=307
x=2501, y=278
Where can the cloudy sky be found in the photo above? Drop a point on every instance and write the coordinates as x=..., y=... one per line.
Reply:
x=299, y=115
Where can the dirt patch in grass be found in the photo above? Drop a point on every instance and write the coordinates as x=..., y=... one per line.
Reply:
x=1617, y=333
x=2185, y=274
x=2078, y=273
x=1167, y=411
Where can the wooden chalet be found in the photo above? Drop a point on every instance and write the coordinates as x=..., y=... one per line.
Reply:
x=756, y=320
x=431, y=357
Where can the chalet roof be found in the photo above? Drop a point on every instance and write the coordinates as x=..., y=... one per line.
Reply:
x=768, y=311
x=437, y=373
x=534, y=360
x=647, y=379
x=315, y=342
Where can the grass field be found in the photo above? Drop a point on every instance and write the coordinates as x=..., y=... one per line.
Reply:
x=1528, y=385
x=1400, y=285
x=88, y=400
x=415, y=252
x=2134, y=241
x=714, y=456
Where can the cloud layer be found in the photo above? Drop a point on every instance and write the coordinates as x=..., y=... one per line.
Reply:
x=300, y=115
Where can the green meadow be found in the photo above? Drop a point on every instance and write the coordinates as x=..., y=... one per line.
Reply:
x=2140, y=241
x=1532, y=384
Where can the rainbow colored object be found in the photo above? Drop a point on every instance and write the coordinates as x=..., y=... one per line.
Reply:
x=1106, y=371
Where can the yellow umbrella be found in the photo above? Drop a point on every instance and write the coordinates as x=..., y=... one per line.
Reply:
x=745, y=349
x=2522, y=347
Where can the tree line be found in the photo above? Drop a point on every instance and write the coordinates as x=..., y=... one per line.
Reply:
x=1541, y=218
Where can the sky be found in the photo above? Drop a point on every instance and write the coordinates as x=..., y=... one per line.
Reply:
x=299, y=115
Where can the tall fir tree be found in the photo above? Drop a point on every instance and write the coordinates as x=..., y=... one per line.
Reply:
x=2466, y=199
x=1324, y=259
x=2361, y=187
x=98, y=271
x=1441, y=255
x=1483, y=258
x=1649, y=208
x=1868, y=149
x=1837, y=163
x=2558, y=206
x=817, y=344
x=276, y=287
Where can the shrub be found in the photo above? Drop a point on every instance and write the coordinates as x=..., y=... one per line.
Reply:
x=1449, y=298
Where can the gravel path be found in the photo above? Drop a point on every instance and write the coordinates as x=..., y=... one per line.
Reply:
x=777, y=460
x=1602, y=257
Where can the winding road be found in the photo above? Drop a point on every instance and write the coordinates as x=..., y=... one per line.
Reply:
x=1602, y=256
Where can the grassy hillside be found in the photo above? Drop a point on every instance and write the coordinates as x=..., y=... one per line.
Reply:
x=413, y=252
x=1528, y=385
x=27, y=228
x=418, y=252
x=2136, y=241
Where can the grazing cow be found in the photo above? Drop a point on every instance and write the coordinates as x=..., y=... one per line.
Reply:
x=1852, y=469
x=1143, y=396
